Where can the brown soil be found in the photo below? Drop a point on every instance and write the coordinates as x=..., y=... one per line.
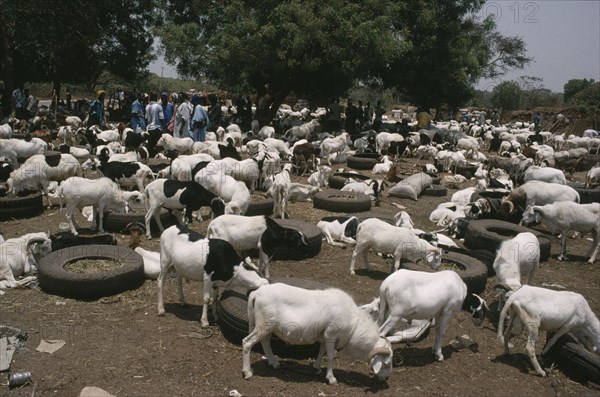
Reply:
x=121, y=345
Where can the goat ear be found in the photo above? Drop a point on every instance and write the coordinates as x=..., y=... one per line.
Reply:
x=538, y=214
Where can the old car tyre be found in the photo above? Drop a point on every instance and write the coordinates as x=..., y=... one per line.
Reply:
x=63, y=240
x=338, y=201
x=586, y=196
x=260, y=207
x=473, y=272
x=362, y=161
x=232, y=308
x=313, y=237
x=575, y=360
x=484, y=256
x=55, y=279
x=435, y=190
x=338, y=180
x=490, y=233
x=116, y=221
x=21, y=206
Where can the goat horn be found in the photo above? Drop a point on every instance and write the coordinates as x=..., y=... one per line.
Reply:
x=379, y=351
x=503, y=286
x=35, y=240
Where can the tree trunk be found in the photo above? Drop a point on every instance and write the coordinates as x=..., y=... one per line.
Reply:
x=268, y=103
x=8, y=71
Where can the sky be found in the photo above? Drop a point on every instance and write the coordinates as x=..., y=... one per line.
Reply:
x=562, y=36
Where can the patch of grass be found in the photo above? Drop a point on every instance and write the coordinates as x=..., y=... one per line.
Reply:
x=94, y=265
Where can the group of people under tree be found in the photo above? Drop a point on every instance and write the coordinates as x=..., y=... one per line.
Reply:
x=358, y=118
x=24, y=105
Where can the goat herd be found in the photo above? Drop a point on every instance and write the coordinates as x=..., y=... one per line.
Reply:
x=526, y=177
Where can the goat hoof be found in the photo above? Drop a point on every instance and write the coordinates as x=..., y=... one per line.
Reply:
x=247, y=374
x=161, y=312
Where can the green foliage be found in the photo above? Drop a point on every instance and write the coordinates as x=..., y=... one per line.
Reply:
x=588, y=99
x=574, y=86
x=507, y=95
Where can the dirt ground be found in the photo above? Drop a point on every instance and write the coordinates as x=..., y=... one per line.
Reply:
x=120, y=344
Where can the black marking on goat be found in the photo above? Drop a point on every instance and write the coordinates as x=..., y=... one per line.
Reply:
x=428, y=236
x=277, y=237
x=64, y=148
x=474, y=306
x=117, y=170
x=340, y=219
x=193, y=235
x=200, y=166
x=350, y=229
x=229, y=150
x=217, y=205
x=171, y=187
x=221, y=260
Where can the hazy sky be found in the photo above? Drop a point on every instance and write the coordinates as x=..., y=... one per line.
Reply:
x=562, y=36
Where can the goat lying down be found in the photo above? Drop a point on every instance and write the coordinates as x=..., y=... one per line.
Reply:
x=341, y=228
x=19, y=256
x=301, y=317
x=536, y=309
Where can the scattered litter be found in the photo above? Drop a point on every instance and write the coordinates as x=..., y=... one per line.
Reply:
x=399, y=206
x=93, y=391
x=557, y=286
x=462, y=342
x=61, y=303
x=235, y=393
x=50, y=345
x=19, y=379
x=11, y=340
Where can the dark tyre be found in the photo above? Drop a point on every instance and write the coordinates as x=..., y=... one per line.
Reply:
x=573, y=359
x=260, y=207
x=484, y=256
x=472, y=271
x=338, y=180
x=586, y=196
x=64, y=240
x=55, y=279
x=232, y=308
x=435, y=190
x=338, y=201
x=490, y=233
x=21, y=207
x=116, y=221
x=363, y=161
x=313, y=237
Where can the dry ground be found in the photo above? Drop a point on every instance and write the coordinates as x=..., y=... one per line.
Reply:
x=122, y=346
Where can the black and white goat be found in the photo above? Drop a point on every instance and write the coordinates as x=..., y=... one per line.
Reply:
x=342, y=229
x=195, y=257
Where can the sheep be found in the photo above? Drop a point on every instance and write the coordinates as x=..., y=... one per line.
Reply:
x=102, y=193
x=471, y=145
x=106, y=136
x=250, y=232
x=305, y=154
x=415, y=295
x=183, y=145
x=545, y=174
x=151, y=262
x=342, y=229
x=254, y=146
x=36, y=174
x=320, y=178
x=334, y=145
x=80, y=154
x=6, y=131
x=543, y=309
x=537, y=193
x=281, y=187
x=277, y=145
x=195, y=257
x=265, y=132
x=387, y=239
x=299, y=192
x=329, y=317
x=564, y=216
x=403, y=219
x=236, y=197
x=517, y=257
x=248, y=171
x=23, y=148
x=593, y=176
x=19, y=256
x=177, y=195
x=384, y=166
x=384, y=139
x=370, y=187
x=126, y=174
x=301, y=131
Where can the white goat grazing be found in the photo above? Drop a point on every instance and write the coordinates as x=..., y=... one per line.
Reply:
x=329, y=317
x=301, y=131
x=19, y=256
x=397, y=241
x=593, y=176
x=415, y=295
x=536, y=309
x=564, y=216
x=193, y=257
x=102, y=193
x=517, y=257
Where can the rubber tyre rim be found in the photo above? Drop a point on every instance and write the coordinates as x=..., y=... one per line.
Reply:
x=63, y=240
x=338, y=201
x=575, y=360
x=21, y=207
x=338, y=180
x=55, y=279
x=490, y=233
x=359, y=163
x=435, y=190
x=232, y=308
x=313, y=236
x=116, y=221
x=474, y=272
x=260, y=207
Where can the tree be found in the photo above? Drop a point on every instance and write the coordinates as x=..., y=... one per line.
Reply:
x=507, y=95
x=75, y=44
x=573, y=86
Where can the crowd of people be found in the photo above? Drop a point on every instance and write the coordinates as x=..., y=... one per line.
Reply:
x=358, y=117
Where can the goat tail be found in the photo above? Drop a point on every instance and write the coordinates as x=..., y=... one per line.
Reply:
x=251, y=317
x=503, y=314
x=382, y=309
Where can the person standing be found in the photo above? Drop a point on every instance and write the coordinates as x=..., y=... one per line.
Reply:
x=68, y=98
x=361, y=114
x=351, y=117
x=19, y=102
x=482, y=116
x=379, y=112
x=32, y=104
x=333, y=115
x=168, y=109
x=536, y=121
x=137, y=114
x=368, y=116
x=96, y=112
x=199, y=120
x=183, y=114
x=155, y=119
x=215, y=113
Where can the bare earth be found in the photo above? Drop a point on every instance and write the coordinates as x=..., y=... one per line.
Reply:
x=120, y=344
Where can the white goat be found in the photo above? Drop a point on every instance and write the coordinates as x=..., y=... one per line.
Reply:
x=517, y=257
x=101, y=193
x=329, y=317
x=339, y=228
x=193, y=257
x=536, y=309
x=397, y=241
x=384, y=166
x=545, y=174
x=415, y=295
x=334, y=145
x=183, y=145
x=320, y=178
x=593, y=176
x=301, y=131
x=281, y=187
x=19, y=256
x=564, y=216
